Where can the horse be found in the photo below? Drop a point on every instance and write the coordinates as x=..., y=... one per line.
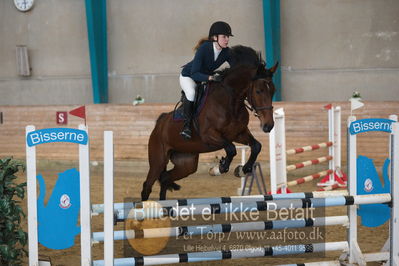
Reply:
x=223, y=120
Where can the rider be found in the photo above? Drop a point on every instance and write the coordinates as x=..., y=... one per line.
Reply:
x=210, y=54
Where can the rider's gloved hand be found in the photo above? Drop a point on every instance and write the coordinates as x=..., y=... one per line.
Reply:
x=216, y=78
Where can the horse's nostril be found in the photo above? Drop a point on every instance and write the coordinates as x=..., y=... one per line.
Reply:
x=267, y=127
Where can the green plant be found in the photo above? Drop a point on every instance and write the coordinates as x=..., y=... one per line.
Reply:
x=12, y=238
x=356, y=94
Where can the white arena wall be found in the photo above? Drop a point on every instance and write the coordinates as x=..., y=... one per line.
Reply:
x=328, y=48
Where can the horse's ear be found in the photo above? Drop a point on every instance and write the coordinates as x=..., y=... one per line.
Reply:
x=274, y=68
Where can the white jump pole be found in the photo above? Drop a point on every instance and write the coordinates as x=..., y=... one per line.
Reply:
x=108, y=198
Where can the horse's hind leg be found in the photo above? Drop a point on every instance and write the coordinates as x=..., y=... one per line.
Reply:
x=184, y=165
x=158, y=161
x=153, y=174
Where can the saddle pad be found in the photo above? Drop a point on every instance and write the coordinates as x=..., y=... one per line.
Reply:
x=178, y=114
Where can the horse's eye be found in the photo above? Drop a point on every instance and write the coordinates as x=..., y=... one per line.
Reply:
x=258, y=91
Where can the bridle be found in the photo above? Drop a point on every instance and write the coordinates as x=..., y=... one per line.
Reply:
x=250, y=103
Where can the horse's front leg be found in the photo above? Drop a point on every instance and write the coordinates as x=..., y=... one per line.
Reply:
x=224, y=163
x=246, y=138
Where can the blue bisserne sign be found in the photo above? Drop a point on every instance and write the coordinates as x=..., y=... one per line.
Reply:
x=48, y=135
x=370, y=124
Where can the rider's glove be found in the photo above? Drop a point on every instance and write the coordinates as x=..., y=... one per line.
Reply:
x=216, y=77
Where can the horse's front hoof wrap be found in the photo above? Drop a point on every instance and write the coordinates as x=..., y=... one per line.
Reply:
x=238, y=172
x=214, y=171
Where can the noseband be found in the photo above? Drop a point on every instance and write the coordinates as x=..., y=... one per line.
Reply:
x=250, y=103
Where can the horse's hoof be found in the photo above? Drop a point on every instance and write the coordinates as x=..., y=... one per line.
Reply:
x=214, y=171
x=174, y=186
x=247, y=169
x=238, y=172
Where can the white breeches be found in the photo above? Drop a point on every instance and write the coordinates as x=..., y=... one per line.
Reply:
x=188, y=86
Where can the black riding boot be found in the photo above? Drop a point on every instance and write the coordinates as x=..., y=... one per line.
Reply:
x=188, y=116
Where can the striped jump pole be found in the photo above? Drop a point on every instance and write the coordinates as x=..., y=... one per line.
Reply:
x=308, y=163
x=319, y=263
x=99, y=208
x=224, y=228
x=328, y=188
x=278, y=152
x=122, y=210
x=309, y=178
x=177, y=211
x=309, y=148
x=230, y=254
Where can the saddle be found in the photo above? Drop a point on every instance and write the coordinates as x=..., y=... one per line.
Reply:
x=201, y=93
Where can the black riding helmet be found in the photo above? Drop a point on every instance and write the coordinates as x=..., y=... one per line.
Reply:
x=220, y=27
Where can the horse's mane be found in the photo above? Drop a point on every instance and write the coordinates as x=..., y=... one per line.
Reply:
x=246, y=56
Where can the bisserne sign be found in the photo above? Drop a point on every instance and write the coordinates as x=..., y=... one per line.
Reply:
x=48, y=135
x=370, y=124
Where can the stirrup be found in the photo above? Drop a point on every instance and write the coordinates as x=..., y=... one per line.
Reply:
x=186, y=133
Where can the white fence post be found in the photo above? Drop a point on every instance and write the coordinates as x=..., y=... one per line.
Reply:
x=108, y=198
x=85, y=203
x=394, y=118
x=354, y=250
x=277, y=150
x=394, y=249
x=243, y=149
x=32, y=200
x=337, y=138
x=331, y=149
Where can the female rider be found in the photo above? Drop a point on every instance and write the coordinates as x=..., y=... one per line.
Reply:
x=210, y=54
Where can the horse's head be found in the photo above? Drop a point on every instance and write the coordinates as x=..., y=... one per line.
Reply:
x=252, y=80
x=260, y=95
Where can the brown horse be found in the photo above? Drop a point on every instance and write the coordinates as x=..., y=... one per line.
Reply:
x=222, y=121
